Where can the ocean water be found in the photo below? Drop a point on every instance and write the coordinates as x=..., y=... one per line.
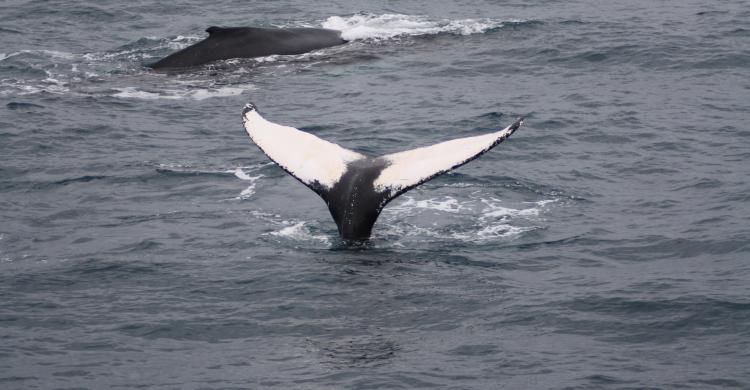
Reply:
x=145, y=242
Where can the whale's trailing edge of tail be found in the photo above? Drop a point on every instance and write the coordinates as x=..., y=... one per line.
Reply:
x=354, y=186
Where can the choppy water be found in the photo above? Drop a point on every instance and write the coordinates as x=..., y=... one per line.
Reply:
x=145, y=242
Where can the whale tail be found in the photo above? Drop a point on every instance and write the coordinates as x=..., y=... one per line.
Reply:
x=354, y=186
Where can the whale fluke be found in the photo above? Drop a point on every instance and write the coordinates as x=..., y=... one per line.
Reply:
x=356, y=187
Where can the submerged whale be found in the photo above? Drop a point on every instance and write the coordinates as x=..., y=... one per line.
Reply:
x=248, y=42
x=354, y=186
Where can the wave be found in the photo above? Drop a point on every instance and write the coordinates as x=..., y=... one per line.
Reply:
x=43, y=53
x=245, y=173
x=188, y=169
x=475, y=219
x=297, y=231
x=250, y=190
x=120, y=72
x=386, y=26
x=177, y=94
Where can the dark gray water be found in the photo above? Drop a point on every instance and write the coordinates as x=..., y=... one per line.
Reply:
x=146, y=242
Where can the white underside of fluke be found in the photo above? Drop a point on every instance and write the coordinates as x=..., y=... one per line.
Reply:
x=313, y=160
x=307, y=157
x=415, y=166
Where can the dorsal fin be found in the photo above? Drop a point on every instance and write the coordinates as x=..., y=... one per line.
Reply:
x=216, y=31
x=213, y=30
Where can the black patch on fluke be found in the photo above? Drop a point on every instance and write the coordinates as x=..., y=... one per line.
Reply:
x=353, y=201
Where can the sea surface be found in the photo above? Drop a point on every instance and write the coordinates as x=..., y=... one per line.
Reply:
x=146, y=243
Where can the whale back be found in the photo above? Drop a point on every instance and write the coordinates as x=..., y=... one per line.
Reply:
x=225, y=43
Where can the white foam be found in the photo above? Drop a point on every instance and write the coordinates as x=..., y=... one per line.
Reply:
x=57, y=54
x=290, y=231
x=247, y=192
x=17, y=87
x=177, y=43
x=494, y=210
x=177, y=94
x=133, y=53
x=181, y=42
x=293, y=230
x=298, y=232
x=48, y=53
x=268, y=217
x=52, y=80
x=271, y=58
x=71, y=85
x=240, y=174
x=543, y=203
x=445, y=204
x=501, y=230
x=476, y=219
x=250, y=190
x=385, y=26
